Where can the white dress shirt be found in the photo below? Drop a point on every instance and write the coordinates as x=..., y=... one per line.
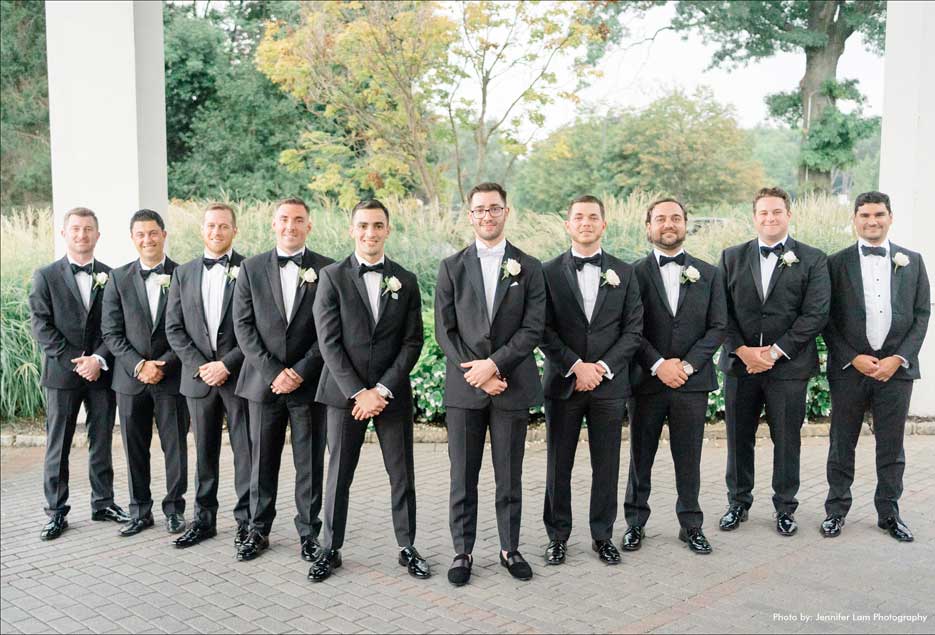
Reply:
x=85, y=283
x=372, y=280
x=768, y=265
x=875, y=272
x=289, y=279
x=153, y=289
x=213, y=283
x=589, y=284
x=491, y=259
x=672, y=280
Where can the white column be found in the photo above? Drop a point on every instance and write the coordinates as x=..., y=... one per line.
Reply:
x=907, y=155
x=107, y=115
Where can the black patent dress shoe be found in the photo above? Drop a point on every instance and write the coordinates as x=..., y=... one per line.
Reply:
x=632, y=538
x=240, y=536
x=417, y=565
x=832, y=525
x=896, y=528
x=516, y=565
x=785, y=524
x=195, y=534
x=136, y=525
x=555, y=552
x=732, y=518
x=252, y=546
x=322, y=568
x=54, y=528
x=460, y=571
x=311, y=549
x=606, y=551
x=175, y=523
x=113, y=513
x=695, y=539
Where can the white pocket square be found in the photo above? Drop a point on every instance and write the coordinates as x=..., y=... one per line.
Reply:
x=515, y=284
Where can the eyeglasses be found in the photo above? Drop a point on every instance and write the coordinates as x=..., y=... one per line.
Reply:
x=495, y=211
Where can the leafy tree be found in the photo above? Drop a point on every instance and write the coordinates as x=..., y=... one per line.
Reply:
x=756, y=29
x=25, y=160
x=777, y=150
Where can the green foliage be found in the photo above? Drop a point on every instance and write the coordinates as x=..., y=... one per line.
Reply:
x=777, y=150
x=25, y=162
x=831, y=140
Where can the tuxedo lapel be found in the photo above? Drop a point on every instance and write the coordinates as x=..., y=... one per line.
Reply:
x=895, y=275
x=302, y=286
x=855, y=277
x=571, y=277
x=602, y=287
x=197, y=299
x=655, y=274
x=272, y=273
x=136, y=279
x=475, y=276
x=352, y=273
x=229, y=283
x=503, y=282
x=753, y=256
x=95, y=291
x=70, y=282
x=388, y=272
x=683, y=286
x=778, y=269
x=163, y=293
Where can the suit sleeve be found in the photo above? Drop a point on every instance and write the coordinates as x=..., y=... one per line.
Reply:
x=446, y=321
x=733, y=338
x=529, y=334
x=834, y=338
x=51, y=340
x=921, y=310
x=248, y=336
x=553, y=347
x=621, y=352
x=327, y=313
x=233, y=360
x=113, y=327
x=716, y=326
x=179, y=339
x=813, y=314
x=397, y=374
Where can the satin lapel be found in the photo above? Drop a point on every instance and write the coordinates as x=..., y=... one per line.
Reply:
x=475, y=276
x=95, y=292
x=228, y=284
x=855, y=277
x=302, y=287
x=683, y=286
x=357, y=280
x=571, y=277
x=137, y=281
x=753, y=256
x=895, y=275
x=503, y=284
x=655, y=274
x=70, y=282
x=163, y=295
x=198, y=299
x=388, y=272
x=778, y=270
x=602, y=288
x=272, y=274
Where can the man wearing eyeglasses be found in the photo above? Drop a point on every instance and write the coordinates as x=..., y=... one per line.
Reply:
x=489, y=316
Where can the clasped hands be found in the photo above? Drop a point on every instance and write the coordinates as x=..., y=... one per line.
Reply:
x=368, y=404
x=214, y=373
x=879, y=369
x=286, y=381
x=88, y=367
x=757, y=358
x=588, y=376
x=151, y=371
x=483, y=374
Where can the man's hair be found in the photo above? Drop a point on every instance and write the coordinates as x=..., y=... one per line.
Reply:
x=371, y=203
x=221, y=206
x=292, y=200
x=660, y=201
x=872, y=197
x=487, y=187
x=143, y=215
x=82, y=212
x=587, y=198
x=777, y=192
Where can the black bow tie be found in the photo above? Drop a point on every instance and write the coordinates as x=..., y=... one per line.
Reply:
x=370, y=268
x=775, y=249
x=679, y=260
x=581, y=262
x=210, y=262
x=285, y=260
x=85, y=268
x=864, y=249
x=158, y=269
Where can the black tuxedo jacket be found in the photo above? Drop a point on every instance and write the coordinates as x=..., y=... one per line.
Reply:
x=130, y=334
x=846, y=332
x=793, y=313
x=684, y=335
x=63, y=328
x=359, y=353
x=612, y=335
x=465, y=333
x=187, y=327
x=268, y=342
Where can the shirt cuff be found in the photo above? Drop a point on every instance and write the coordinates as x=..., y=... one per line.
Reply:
x=103, y=362
x=388, y=391
x=138, y=368
x=656, y=366
x=571, y=370
x=607, y=372
x=781, y=352
x=905, y=363
x=354, y=396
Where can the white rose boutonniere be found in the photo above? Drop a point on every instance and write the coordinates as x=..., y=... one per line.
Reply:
x=690, y=275
x=900, y=260
x=610, y=277
x=511, y=268
x=232, y=273
x=100, y=279
x=392, y=285
x=164, y=280
x=788, y=259
x=307, y=276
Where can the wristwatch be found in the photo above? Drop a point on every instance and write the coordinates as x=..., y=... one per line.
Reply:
x=689, y=370
x=384, y=391
x=773, y=354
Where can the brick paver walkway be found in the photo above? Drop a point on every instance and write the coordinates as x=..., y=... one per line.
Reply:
x=90, y=580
